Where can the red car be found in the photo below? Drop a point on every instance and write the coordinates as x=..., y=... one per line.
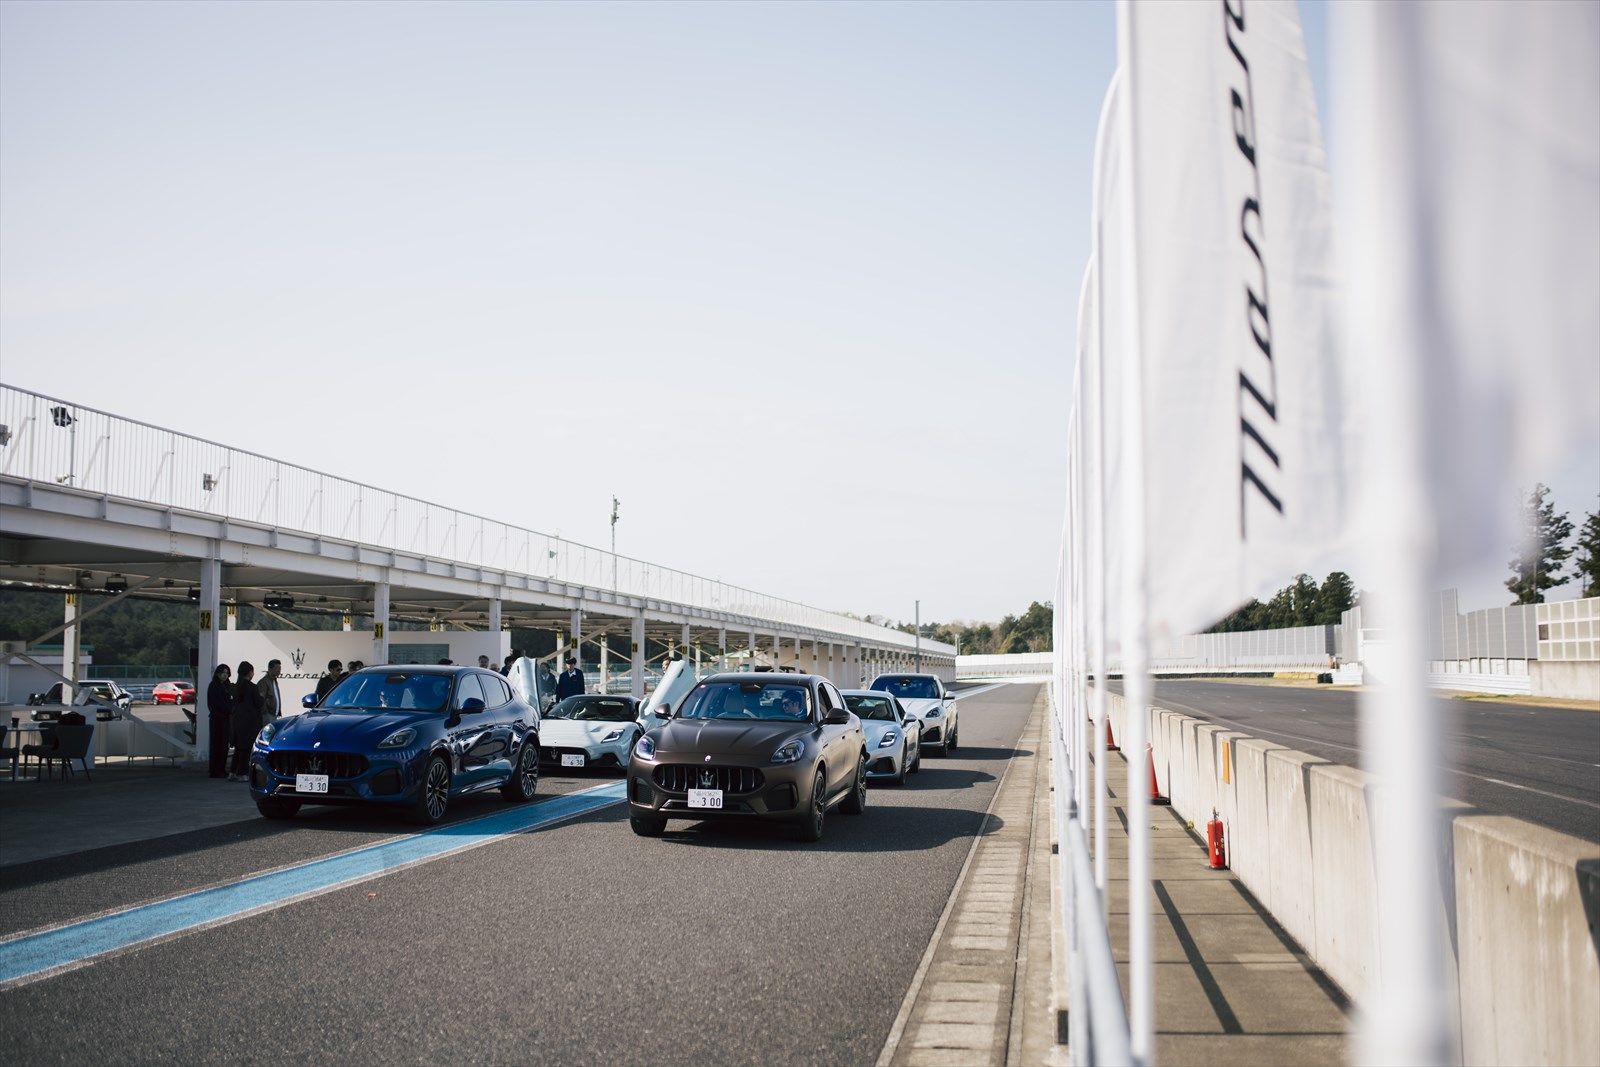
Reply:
x=173, y=693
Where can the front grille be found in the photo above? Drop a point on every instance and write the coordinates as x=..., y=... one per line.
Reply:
x=680, y=778
x=333, y=764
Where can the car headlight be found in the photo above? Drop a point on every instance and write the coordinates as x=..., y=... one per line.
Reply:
x=646, y=748
x=265, y=736
x=889, y=738
x=789, y=751
x=935, y=713
x=614, y=735
x=399, y=739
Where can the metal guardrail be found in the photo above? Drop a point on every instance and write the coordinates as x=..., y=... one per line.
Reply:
x=55, y=441
x=1097, y=1020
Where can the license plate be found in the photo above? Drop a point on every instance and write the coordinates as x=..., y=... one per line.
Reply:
x=571, y=761
x=705, y=798
x=311, y=783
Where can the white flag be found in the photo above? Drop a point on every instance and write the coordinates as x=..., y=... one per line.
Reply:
x=1469, y=168
x=1246, y=409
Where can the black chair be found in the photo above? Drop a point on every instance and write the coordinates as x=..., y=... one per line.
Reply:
x=64, y=743
x=10, y=755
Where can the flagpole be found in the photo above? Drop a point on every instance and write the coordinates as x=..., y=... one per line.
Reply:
x=1135, y=586
x=1407, y=1020
x=1097, y=494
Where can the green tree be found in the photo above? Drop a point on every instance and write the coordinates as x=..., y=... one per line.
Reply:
x=1589, y=554
x=1303, y=600
x=1336, y=596
x=1538, y=566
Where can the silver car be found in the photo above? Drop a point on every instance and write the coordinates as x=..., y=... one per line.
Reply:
x=894, y=739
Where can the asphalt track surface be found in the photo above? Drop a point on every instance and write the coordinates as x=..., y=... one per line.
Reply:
x=574, y=943
x=1536, y=763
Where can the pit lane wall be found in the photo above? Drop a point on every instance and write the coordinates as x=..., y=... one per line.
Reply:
x=1521, y=902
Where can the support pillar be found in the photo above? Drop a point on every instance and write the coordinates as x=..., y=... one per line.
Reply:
x=636, y=674
x=722, y=649
x=206, y=641
x=69, y=648
x=683, y=641
x=347, y=622
x=751, y=663
x=232, y=612
x=605, y=664
x=380, y=620
x=577, y=635
x=496, y=621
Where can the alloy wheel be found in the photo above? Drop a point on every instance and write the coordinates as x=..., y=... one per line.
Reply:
x=438, y=788
x=529, y=771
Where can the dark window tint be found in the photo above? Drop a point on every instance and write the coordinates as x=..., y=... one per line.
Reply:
x=907, y=686
x=495, y=691
x=873, y=708
x=467, y=688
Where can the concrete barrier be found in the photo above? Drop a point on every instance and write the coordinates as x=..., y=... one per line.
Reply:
x=1527, y=925
x=1345, y=906
x=1291, y=875
x=1250, y=853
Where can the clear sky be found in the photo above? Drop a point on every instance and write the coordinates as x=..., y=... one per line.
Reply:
x=518, y=258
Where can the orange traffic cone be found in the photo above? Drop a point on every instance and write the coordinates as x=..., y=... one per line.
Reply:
x=1111, y=742
x=1155, y=790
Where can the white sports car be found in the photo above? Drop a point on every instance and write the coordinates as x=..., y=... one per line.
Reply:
x=924, y=698
x=894, y=739
x=591, y=730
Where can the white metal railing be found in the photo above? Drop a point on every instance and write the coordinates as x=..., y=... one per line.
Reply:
x=1097, y=1021
x=55, y=441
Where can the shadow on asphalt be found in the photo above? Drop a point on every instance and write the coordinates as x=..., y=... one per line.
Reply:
x=884, y=828
x=965, y=752
x=322, y=819
x=936, y=777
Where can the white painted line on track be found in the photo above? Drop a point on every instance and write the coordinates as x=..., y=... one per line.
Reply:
x=42, y=953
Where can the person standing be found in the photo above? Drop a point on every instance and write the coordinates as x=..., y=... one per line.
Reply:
x=246, y=720
x=271, y=696
x=483, y=663
x=505, y=668
x=332, y=678
x=219, y=708
x=570, y=684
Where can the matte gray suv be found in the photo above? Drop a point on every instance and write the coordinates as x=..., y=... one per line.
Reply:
x=779, y=747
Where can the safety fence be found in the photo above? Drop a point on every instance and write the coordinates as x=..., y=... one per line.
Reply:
x=52, y=441
x=1097, y=1022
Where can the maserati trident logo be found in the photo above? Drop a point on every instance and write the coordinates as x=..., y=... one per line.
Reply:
x=314, y=765
x=708, y=759
x=298, y=658
x=707, y=779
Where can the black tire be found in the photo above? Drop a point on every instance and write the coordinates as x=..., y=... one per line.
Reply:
x=855, y=801
x=905, y=763
x=916, y=765
x=524, y=780
x=278, y=808
x=433, y=796
x=810, y=826
x=645, y=826
x=954, y=741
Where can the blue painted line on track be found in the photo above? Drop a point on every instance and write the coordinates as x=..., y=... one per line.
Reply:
x=32, y=955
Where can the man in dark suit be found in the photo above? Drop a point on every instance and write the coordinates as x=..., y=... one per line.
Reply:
x=570, y=684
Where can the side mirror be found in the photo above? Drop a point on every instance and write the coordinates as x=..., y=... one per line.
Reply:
x=837, y=717
x=948, y=697
x=471, y=706
x=309, y=700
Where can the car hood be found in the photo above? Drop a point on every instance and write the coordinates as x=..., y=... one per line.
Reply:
x=562, y=731
x=723, y=737
x=920, y=706
x=345, y=732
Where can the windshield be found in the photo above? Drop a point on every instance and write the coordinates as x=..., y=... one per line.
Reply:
x=389, y=691
x=880, y=709
x=594, y=709
x=907, y=686
x=763, y=701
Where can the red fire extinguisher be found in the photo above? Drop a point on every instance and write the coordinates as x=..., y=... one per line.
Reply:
x=1216, y=846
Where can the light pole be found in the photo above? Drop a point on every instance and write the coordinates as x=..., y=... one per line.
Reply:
x=615, y=503
x=919, y=637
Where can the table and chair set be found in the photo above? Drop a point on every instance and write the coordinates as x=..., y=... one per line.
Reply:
x=58, y=743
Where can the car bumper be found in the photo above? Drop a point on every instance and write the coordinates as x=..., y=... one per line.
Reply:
x=614, y=755
x=886, y=762
x=387, y=780
x=784, y=792
x=933, y=731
